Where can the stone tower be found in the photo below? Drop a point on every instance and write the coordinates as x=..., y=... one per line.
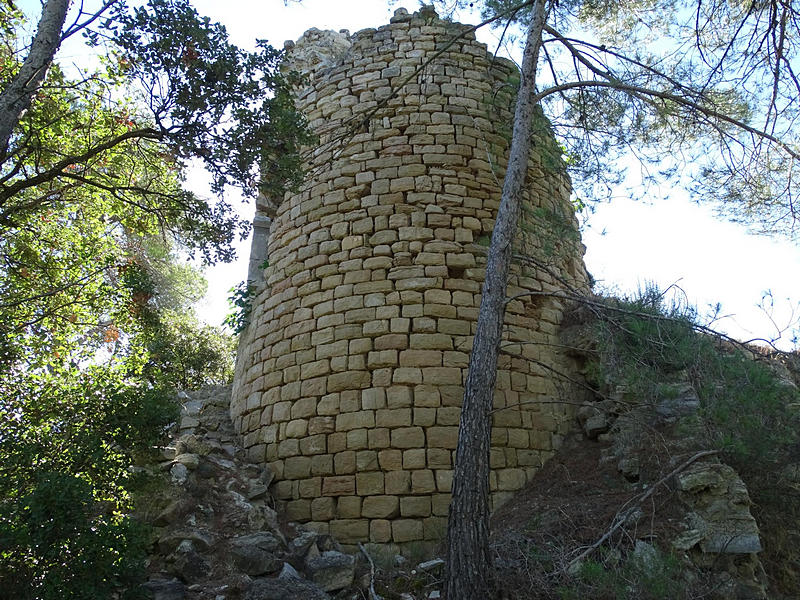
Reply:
x=350, y=374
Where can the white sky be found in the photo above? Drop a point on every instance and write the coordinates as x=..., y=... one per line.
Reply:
x=628, y=243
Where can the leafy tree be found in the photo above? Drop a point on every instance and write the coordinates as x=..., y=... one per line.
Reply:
x=706, y=92
x=184, y=353
x=94, y=330
x=68, y=438
x=198, y=97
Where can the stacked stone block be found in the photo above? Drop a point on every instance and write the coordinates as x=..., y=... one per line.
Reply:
x=350, y=376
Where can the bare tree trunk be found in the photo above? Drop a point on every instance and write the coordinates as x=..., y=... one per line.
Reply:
x=17, y=96
x=468, y=568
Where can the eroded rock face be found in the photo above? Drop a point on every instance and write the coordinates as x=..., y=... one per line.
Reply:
x=318, y=50
x=332, y=570
x=717, y=531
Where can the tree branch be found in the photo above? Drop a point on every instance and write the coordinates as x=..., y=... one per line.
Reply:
x=57, y=170
x=17, y=96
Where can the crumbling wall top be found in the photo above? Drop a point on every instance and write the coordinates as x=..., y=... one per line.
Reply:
x=318, y=50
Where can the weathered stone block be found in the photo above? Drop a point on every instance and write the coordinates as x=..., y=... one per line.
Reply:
x=421, y=358
x=393, y=417
x=323, y=509
x=397, y=482
x=350, y=531
x=422, y=482
x=415, y=506
x=348, y=507
x=297, y=467
x=310, y=488
x=339, y=485
x=510, y=479
x=355, y=420
x=369, y=484
x=380, y=531
x=408, y=437
x=407, y=530
x=381, y=507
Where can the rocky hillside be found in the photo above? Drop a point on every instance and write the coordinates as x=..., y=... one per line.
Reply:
x=642, y=501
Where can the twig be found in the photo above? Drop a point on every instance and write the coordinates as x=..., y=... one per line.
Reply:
x=555, y=371
x=524, y=402
x=622, y=514
x=373, y=595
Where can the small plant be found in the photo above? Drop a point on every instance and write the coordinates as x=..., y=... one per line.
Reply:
x=241, y=302
x=656, y=576
x=648, y=345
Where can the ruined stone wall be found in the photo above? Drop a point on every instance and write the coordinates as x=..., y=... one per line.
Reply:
x=350, y=375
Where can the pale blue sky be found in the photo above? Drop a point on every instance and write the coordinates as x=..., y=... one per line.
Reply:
x=671, y=241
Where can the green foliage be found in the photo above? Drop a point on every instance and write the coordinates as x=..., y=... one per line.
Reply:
x=53, y=545
x=187, y=354
x=230, y=108
x=172, y=88
x=648, y=342
x=241, y=301
x=748, y=411
x=68, y=438
x=657, y=576
x=95, y=325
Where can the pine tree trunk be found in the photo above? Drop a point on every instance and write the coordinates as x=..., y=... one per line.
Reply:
x=469, y=568
x=17, y=96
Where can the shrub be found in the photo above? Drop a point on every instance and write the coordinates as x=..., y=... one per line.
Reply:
x=646, y=345
x=67, y=439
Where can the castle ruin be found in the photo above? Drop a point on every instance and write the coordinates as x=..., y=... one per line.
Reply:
x=350, y=374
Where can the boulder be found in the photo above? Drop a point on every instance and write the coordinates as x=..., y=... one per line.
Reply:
x=179, y=473
x=332, y=570
x=171, y=514
x=165, y=589
x=284, y=589
x=255, y=554
x=300, y=545
x=190, y=566
x=190, y=461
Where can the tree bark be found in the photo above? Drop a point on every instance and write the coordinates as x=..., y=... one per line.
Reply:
x=17, y=97
x=469, y=570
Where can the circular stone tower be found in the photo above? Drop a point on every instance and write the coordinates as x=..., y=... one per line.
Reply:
x=350, y=374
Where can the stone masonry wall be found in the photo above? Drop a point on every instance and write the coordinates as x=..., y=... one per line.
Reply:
x=350, y=374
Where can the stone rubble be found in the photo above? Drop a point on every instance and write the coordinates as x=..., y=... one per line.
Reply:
x=217, y=535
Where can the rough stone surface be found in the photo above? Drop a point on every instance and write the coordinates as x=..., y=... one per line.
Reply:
x=161, y=589
x=332, y=570
x=717, y=530
x=284, y=589
x=215, y=538
x=350, y=374
x=254, y=554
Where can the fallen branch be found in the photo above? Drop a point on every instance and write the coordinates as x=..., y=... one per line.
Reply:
x=622, y=517
x=373, y=595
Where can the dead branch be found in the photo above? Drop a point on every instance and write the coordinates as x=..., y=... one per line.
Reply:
x=373, y=595
x=627, y=509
